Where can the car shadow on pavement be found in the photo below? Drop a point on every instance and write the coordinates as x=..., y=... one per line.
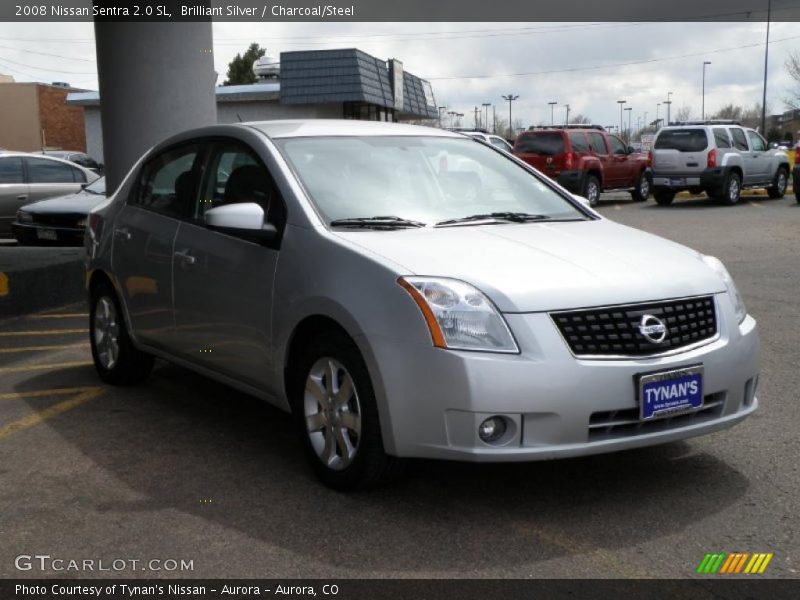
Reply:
x=180, y=438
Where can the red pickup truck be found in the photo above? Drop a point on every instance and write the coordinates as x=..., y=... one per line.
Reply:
x=586, y=160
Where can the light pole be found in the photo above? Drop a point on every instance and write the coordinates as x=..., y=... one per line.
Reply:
x=552, y=107
x=703, y=105
x=476, y=111
x=658, y=105
x=441, y=108
x=566, y=118
x=766, y=59
x=645, y=120
x=629, y=110
x=452, y=114
x=620, y=102
x=668, y=102
x=510, y=98
x=486, y=106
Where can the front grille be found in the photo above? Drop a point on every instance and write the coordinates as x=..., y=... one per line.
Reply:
x=614, y=331
x=615, y=424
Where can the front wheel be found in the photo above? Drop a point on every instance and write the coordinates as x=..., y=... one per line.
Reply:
x=778, y=187
x=642, y=189
x=335, y=411
x=591, y=190
x=116, y=359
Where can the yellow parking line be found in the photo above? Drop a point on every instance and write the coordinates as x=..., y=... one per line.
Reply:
x=64, y=365
x=42, y=348
x=40, y=393
x=42, y=332
x=52, y=411
x=60, y=316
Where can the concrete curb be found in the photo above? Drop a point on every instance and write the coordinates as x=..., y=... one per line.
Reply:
x=34, y=279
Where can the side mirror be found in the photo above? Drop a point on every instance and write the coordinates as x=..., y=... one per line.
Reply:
x=773, y=145
x=631, y=149
x=245, y=220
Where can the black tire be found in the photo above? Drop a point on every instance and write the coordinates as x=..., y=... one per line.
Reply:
x=664, y=197
x=131, y=365
x=641, y=192
x=731, y=190
x=591, y=190
x=370, y=466
x=778, y=187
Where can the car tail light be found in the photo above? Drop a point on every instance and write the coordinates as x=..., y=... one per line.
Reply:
x=95, y=226
x=569, y=157
x=712, y=158
x=650, y=158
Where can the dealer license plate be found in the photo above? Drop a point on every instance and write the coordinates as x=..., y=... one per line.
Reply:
x=668, y=393
x=674, y=181
x=46, y=234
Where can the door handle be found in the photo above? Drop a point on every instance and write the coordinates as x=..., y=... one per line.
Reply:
x=123, y=233
x=186, y=257
x=22, y=197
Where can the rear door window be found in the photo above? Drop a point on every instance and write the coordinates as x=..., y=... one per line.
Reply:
x=11, y=170
x=739, y=140
x=41, y=170
x=578, y=141
x=598, y=143
x=548, y=143
x=682, y=140
x=721, y=137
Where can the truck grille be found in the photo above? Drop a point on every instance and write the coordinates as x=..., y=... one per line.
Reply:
x=614, y=331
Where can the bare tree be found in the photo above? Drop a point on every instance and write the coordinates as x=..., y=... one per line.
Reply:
x=684, y=113
x=580, y=119
x=793, y=69
x=729, y=111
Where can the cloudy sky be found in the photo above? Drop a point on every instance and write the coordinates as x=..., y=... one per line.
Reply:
x=590, y=66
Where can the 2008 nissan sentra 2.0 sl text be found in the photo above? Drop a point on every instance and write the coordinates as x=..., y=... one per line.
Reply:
x=410, y=292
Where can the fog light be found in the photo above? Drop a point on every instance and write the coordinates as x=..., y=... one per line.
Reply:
x=492, y=429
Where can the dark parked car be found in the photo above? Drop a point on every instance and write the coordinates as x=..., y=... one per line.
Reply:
x=79, y=158
x=59, y=220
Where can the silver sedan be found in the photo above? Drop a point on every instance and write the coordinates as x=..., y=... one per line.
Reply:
x=411, y=292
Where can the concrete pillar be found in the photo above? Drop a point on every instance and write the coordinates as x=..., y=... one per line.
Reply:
x=155, y=79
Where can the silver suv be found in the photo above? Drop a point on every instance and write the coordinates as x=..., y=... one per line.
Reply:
x=719, y=158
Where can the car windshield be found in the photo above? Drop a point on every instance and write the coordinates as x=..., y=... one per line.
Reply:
x=682, y=140
x=98, y=186
x=426, y=179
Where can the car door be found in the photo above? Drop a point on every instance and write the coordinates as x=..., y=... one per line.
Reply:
x=759, y=156
x=619, y=163
x=223, y=283
x=597, y=146
x=749, y=166
x=144, y=238
x=13, y=190
x=48, y=178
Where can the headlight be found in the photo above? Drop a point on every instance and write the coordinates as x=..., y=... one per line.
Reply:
x=24, y=217
x=459, y=316
x=733, y=293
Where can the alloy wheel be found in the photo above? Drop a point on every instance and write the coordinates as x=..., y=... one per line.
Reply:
x=106, y=332
x=332, y=413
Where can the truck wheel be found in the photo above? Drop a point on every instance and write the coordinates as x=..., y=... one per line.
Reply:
x=642, y=189
x=778, y=187
x=591, y=190
x=731, y=189
x=663, y=196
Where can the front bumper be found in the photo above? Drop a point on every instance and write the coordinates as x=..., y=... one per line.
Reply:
x=28, y=233
x=433, y=400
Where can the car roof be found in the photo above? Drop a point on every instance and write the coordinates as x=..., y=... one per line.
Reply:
x=45, y=157
x=344, y=127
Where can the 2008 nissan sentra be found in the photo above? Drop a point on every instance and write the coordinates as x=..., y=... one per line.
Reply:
x=410, y=292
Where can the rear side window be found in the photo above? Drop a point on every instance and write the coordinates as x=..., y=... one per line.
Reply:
x=598, y=143
x=682, y=140
x=721, y=137
x=11, y=170
x=547, y=143
x=578, y=141
x=169, y=182
x=41, y=170
x=739, y=141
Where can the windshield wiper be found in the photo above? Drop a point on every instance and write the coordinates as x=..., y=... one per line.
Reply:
x=495, y=217
x=389, y=222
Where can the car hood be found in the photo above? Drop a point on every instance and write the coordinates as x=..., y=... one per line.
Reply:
x=78, y=204
x=548, y=266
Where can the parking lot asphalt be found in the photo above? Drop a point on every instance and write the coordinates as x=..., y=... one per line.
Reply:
x=184, y=468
